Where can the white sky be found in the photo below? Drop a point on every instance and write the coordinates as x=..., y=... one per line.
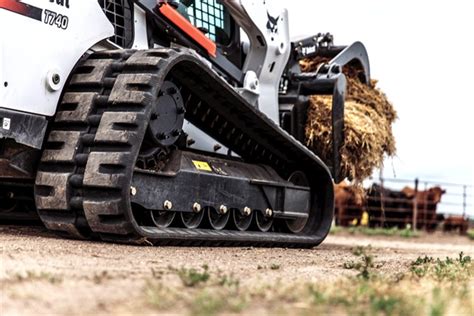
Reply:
x=422, y=53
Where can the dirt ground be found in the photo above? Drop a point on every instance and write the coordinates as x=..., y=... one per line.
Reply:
x=43, y=274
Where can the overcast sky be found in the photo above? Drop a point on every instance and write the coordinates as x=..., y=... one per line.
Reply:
x=422, y=54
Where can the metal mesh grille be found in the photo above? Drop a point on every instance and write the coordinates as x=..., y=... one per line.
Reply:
x=119, y=14
x=207, y=14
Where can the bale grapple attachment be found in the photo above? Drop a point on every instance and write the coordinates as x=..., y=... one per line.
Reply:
x=328, y=79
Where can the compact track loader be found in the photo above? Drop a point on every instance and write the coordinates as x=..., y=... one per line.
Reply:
x=166, y=122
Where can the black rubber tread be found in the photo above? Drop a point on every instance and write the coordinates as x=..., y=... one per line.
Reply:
x=58, y=187
x=83, y=182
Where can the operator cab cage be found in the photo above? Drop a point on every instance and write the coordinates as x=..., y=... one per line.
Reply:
x=209, y=16
x=120, y=14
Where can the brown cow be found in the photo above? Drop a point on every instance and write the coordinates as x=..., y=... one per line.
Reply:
x=392, y=208
x=456, y=222
x=349, y=204
x=388, y=208
x=427, y=202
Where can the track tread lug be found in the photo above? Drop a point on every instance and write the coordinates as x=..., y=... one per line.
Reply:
x=57, y=197
x=69, y=142
x=107, y=131
x=125, y=89
x=67, y=226
x=103, y=207
x=95, y=176
x=97, y=74
x=83, y=103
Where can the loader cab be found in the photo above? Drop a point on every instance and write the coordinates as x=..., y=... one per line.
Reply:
x=210, y=17
x=213, y=19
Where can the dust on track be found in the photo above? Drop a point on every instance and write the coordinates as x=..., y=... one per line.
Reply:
x=42, y=273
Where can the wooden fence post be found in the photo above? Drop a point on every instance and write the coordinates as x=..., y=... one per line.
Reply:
x=415, y=205
x=464, y=197
x=382, y=201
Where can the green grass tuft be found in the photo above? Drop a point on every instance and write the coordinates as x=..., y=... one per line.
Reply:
x=192, y=277
x=364, y=265
x=429, y=286
x=449, y=269
x=38, y=276
x=275, y=266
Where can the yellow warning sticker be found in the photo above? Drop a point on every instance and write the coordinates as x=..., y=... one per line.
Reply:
x=202, y=165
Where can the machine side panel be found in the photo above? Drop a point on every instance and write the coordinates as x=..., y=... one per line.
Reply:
x=39, y=52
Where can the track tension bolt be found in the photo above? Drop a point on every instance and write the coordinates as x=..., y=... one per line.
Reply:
x=168, y=205
x=223, y=209
x=269, y=212
x=247, y=211
x=197, y=208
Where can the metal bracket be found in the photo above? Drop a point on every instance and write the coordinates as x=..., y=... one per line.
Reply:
x=24, y=128
x=333, y=83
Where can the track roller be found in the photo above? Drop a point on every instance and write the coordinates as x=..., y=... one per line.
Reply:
x=192, y=220
x=162, y=219
x=218, y=218
x=264, y=220
x=242, y=218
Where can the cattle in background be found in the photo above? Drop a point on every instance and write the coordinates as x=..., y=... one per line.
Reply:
x=427, y=202
x=349, y=204
x=388, y=208
x=392, y=208
x=456, y=223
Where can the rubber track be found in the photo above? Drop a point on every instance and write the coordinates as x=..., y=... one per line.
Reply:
x=83, y=182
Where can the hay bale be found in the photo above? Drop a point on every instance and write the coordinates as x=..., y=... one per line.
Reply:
x=368, y=120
